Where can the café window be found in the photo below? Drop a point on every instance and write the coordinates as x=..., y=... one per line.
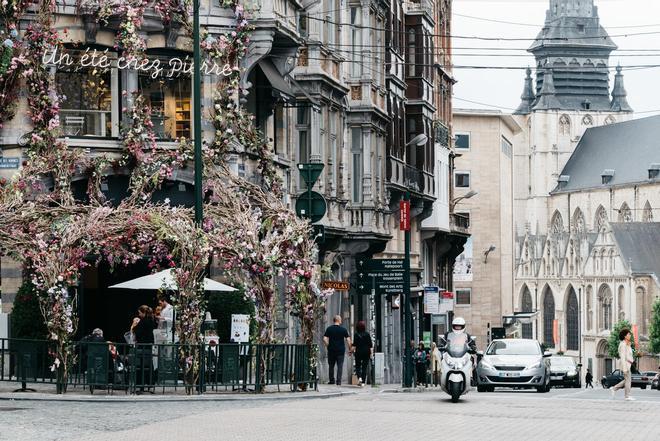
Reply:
x=170, y=98
x=88, y=94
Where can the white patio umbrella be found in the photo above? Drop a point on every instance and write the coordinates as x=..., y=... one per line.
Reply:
x=165, y=280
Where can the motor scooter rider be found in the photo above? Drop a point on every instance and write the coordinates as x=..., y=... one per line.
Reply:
x=458, y=328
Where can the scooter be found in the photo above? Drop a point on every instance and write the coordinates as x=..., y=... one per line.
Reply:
x=456, y=367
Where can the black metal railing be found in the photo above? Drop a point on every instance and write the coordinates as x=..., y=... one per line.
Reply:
x=161, y=367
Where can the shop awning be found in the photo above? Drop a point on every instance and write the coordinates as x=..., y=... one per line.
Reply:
x=275, y=78
x=165, y=280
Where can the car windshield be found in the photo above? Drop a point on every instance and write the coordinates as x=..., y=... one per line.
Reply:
x=514, y=347
x=562, y=362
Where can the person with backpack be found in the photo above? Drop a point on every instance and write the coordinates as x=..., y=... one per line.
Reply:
x=362, y=348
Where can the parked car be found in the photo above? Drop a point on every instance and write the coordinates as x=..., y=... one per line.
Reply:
x=650, y=375
x=638, y=379
x=564, y=372
x=515, y=363
x=655, y=382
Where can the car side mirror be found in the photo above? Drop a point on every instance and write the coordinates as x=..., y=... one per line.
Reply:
x=547, y=354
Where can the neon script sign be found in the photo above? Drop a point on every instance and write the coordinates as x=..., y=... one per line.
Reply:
x=95, y=59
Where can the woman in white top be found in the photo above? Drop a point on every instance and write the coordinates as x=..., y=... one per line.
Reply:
x=625, y=364
x=436, y=362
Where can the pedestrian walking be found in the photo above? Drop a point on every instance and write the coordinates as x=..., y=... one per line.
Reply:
x=420, y=358
x=436, y=363
x=333, y=339
x=625, y=364
x=142, y=328
x=589, y=379
x=362, y=348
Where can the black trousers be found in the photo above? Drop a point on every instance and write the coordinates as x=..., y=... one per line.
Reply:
x=338, y=359
x=362, y=366
x=421, y=373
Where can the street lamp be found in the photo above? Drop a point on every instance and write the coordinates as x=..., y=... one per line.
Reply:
x=418, y=140
x=468, y=195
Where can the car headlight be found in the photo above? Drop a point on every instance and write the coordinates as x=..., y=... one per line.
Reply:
x=571, y=373
x=486, y=365
x=535, y=365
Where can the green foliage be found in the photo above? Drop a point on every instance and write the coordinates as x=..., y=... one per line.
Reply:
x=613, y=341
x=223, y=305
x=654, y=334
x=26, y=318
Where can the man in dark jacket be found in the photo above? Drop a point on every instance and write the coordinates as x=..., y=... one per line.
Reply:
x=333, y=339
x=362, y=347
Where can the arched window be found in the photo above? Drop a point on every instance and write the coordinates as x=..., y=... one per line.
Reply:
x=605, y=303
x=527, y=306
x=647, y=215
x=625, y=213
x=579, y=225
x=557, y=224
x=600, y=223
x=572, y=322
x=589, y=297
x=565, y=125
x=642, y=310
x=548, y=318
x=621, y=302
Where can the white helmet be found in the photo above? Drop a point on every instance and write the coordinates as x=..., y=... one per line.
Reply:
x=458, y=325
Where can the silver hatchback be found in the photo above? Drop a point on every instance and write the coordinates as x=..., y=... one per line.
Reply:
x=517, y=363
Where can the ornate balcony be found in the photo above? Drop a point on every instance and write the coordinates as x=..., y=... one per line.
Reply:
x=441, y=133
x=459, y=223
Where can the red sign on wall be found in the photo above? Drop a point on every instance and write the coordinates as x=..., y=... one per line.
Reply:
x=404, y=215
x=635, y=330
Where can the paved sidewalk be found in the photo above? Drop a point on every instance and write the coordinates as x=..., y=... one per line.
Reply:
x=78, y=394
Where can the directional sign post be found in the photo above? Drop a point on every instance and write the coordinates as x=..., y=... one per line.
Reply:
x=384, y=276
x=310, y=204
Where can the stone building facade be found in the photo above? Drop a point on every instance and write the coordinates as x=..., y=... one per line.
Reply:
x=348, y=85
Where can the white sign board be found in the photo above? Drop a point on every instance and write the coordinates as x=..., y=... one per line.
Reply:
x=431, y=300
x=446, y=302
x=240, y=328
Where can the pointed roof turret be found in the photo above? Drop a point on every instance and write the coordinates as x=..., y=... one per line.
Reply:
x=619, y=94
x=527, y=98
x=575, y=46
x=548, y=99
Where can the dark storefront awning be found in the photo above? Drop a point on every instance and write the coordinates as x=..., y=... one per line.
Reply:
x=276, y=79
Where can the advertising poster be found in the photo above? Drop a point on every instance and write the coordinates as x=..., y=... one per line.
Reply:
x=240, y=328
x=463, y=264
x=431, y=300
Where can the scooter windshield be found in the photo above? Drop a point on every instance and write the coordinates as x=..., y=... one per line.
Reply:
x=457, y=344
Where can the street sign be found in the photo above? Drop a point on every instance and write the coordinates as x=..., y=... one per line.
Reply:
x=311, y=205
x=446, y=302
x=431, y=300
x=385, y=276
x=9, y=162
x=310, y=173
x=336, y=285
x=404, y=215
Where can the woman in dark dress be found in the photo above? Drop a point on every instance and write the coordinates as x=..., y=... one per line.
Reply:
x=143, y=328
x=362, y=346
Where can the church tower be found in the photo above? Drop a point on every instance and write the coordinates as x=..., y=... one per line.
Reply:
x=571, y=93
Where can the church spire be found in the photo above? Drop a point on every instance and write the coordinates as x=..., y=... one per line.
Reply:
x=619, y=101
x=548, y=99
x=527, y=98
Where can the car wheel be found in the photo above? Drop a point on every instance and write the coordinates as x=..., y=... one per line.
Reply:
x=643, y=387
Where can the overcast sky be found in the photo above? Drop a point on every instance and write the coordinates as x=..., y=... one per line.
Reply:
x=502, y=88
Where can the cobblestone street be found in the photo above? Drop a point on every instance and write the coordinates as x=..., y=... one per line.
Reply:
x=517, y=415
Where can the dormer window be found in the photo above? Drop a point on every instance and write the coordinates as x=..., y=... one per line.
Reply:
x=654, y=171
x=607, y=176
x=563, y=180
x=586, y=105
